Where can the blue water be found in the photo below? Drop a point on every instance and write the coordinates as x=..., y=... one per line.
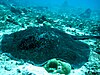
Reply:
x=92, y=4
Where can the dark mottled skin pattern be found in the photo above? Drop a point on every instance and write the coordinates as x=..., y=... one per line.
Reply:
x=39, y=44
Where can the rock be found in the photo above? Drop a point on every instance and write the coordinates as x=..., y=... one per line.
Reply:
x=41, y=19
x=40, y=44
x=8, y=68
x=18, y=70
x=15, y=10
x=46, y=23
x=51, y=65
x=57, y=66
x=66, y=68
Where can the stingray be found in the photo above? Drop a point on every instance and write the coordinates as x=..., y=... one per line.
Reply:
x=40, y=44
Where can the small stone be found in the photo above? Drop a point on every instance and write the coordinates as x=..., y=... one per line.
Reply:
x=8, y=68
x=18, y=70
x=21, y=62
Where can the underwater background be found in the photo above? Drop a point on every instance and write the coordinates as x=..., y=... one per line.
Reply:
x=49, y=37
